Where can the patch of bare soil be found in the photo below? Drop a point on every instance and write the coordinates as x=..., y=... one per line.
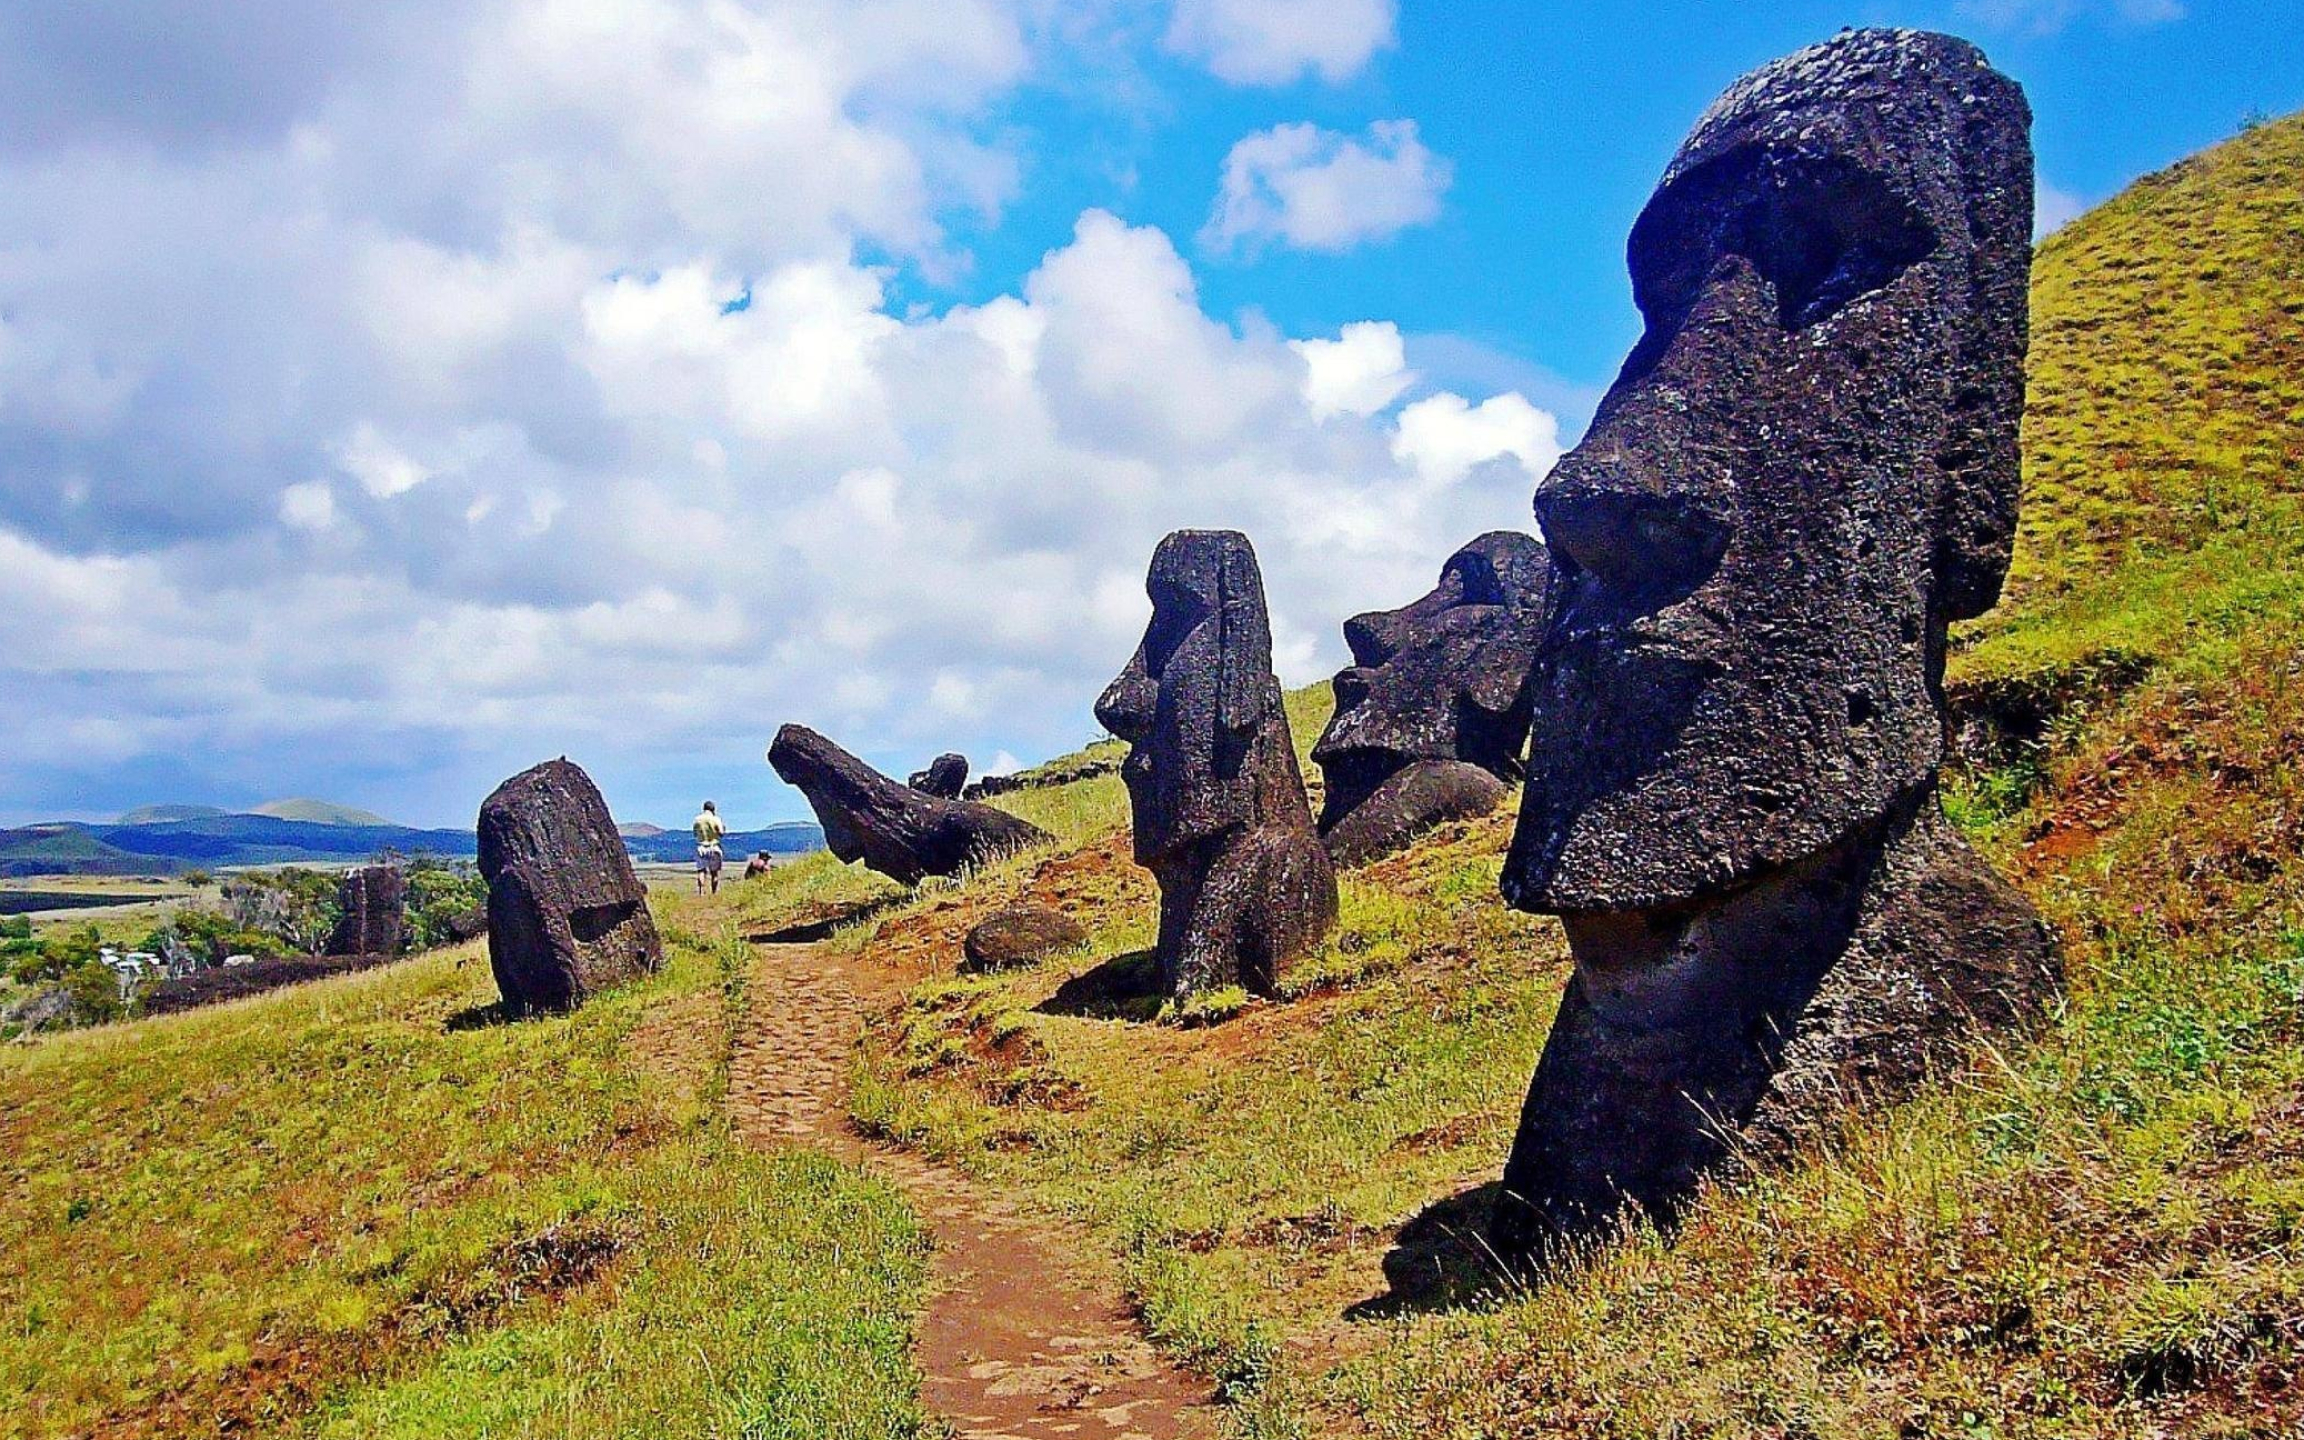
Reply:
x=1023, y=1335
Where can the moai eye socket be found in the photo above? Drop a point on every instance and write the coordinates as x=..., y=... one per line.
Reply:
x=1824, y=232
x=1821, y=230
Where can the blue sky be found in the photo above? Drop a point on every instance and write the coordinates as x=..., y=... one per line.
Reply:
x=375, y=418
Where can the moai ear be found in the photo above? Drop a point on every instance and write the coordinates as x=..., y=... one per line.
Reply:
x=1243, y=641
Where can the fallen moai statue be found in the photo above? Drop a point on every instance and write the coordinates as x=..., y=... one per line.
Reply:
x=899, y=831
x=945, y=777
x=373, y=905
x=1221, y=818
x=567, y=917
x=1807, y=469
x=1432, y=714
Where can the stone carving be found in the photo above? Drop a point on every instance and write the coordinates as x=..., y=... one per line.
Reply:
x=1432, y=714
x=1019, y=935
x=1221, y=818
x=945, y=777
x=1805, y=472
x=567, y=918
x=373, y=902
x=902, y=833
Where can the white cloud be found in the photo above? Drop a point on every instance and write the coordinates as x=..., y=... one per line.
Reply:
x=518, y=386
x=1315, y=189
x=1359, y=373
x=308, y=506
x=1272, y=42
x=2053, y=209
x=1443, y=436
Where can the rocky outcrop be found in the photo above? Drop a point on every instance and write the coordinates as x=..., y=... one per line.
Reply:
x=372, y=919
x=567, y=917
x=1220, y=815
x=1019, y=935
x=1805, y=472
x=1432, y=714
x=902, y=833
x=945, y=777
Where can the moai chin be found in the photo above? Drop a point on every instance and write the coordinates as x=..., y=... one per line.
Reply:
x=1806, y=471
x=1221, y=817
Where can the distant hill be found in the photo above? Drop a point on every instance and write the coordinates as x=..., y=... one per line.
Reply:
x=317, y=812
x=208, y=842
x=793, y=837
x=639, y=830
x=159, y=814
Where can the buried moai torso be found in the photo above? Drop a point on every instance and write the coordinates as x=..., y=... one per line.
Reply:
x=1806, y=471
x=567, y=917
x=1221, y=817
x=1432, y=714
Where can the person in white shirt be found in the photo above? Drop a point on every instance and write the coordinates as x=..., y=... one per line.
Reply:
x=708, y=830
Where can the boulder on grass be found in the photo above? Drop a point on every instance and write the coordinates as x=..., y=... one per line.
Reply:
x=567, y=918
x=1019, y=935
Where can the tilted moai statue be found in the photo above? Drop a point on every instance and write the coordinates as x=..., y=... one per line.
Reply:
x=1805, y=472
x=566, y=915
x=945, y=777
x=1432, y=714
x=372, y=902
x=1221, y=818
x=904, y=833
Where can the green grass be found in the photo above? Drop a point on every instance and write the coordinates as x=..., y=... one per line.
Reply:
x=360, y=1207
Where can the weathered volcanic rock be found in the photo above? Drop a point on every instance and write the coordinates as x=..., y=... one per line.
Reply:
x=1806, y=471
x=1408, y=802
x=468, y=924
x=1019, y=935
x=902, y=833
x=1434, y=687
x=373, y=900
x=1221, y=818
x=945, y=777
x=566, y=916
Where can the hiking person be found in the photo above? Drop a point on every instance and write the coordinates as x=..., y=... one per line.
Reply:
x=709, y=829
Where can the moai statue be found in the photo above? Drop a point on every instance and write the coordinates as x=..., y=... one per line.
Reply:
x=566, y=916
x=904, y=833
x=945, y=777
x=372, y=920
x=1806, y=471
x=1432, y=714
x=1221, y=818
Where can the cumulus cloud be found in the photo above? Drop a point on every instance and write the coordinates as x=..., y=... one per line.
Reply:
x=2053, y=209
x=371, y=448
x=1315, y=189
x=1272, y=42
x=1359, y=372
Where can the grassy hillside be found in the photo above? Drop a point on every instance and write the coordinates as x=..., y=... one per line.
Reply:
x=317, y=812
x=2095, y=1234
x=361, y=1208
x=364, y=1208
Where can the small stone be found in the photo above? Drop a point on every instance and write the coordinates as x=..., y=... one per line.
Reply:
x=1019, y=935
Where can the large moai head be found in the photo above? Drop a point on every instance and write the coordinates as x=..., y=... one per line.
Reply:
x=1197, y=697
x=1444, y=678
x=1807, y=469
x=1221, y=818
x=567, y=916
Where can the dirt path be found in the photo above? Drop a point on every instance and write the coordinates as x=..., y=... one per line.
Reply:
x=1020, y=1338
